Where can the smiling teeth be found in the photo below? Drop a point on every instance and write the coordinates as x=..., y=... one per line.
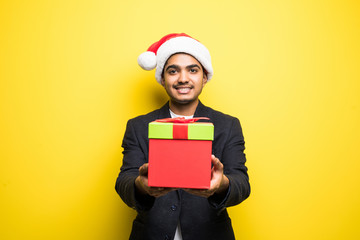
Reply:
x=183, y=90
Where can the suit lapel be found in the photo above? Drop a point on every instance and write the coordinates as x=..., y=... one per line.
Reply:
x=201, y=111
x=164, y=111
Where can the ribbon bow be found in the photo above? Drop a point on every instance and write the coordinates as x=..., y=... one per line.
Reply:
x=181, y=120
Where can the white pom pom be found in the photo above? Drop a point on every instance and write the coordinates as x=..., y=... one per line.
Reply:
x=147, y=60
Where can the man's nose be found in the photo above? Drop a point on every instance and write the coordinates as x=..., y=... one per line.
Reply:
x=183, y=78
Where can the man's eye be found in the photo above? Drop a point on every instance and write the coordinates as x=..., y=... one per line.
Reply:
x=172, y=71
x=193, y=70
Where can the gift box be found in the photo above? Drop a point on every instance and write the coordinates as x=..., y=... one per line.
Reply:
x=180, y=153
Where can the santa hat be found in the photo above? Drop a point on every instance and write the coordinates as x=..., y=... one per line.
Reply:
x=159, y=52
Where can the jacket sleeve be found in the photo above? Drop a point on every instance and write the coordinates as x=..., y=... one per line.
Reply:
x=233, y=159
x=134, y=157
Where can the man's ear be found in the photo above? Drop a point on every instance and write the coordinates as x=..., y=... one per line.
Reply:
x=205, y=79
x=162, y=82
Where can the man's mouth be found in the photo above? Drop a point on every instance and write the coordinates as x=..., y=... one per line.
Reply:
x=183, y=89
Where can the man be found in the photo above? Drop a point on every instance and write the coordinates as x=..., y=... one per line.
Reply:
x=183, y=67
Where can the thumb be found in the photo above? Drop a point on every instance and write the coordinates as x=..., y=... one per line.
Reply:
x=143, y=170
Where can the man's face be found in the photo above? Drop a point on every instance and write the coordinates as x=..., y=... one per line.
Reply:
x=183, y=78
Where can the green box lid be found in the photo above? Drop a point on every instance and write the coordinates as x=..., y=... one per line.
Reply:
x=196, y=131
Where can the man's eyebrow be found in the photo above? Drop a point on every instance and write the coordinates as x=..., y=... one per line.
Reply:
x=178, y=67
x=172, y=66
x=192, y=66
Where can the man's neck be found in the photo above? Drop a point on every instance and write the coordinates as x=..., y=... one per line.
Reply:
x=187, y=109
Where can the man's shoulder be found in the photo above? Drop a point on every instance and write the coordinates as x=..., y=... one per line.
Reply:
x=224, y=124
x=218, y=116
x=148, y=117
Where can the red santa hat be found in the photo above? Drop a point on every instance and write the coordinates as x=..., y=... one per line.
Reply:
x=159, y=52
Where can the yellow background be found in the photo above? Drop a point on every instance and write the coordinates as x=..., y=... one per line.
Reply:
x=289, y=70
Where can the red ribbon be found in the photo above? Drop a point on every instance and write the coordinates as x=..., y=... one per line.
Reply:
x=181, y=120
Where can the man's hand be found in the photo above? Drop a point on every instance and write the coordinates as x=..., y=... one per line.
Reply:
x=141, y=183
x=219, y=182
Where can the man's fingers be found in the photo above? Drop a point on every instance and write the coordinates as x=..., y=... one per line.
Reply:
x=216, y=162
x=199, y=192
x=159, y=191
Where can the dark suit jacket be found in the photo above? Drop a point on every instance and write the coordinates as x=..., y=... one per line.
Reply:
x=200, y=218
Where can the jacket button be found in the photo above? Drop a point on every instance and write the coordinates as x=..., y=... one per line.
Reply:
x=173, y=207
x=167, y=237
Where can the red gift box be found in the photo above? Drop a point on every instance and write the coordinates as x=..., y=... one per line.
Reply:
x=180, y=153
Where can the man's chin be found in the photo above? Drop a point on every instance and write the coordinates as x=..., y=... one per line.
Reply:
x=183, y=101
